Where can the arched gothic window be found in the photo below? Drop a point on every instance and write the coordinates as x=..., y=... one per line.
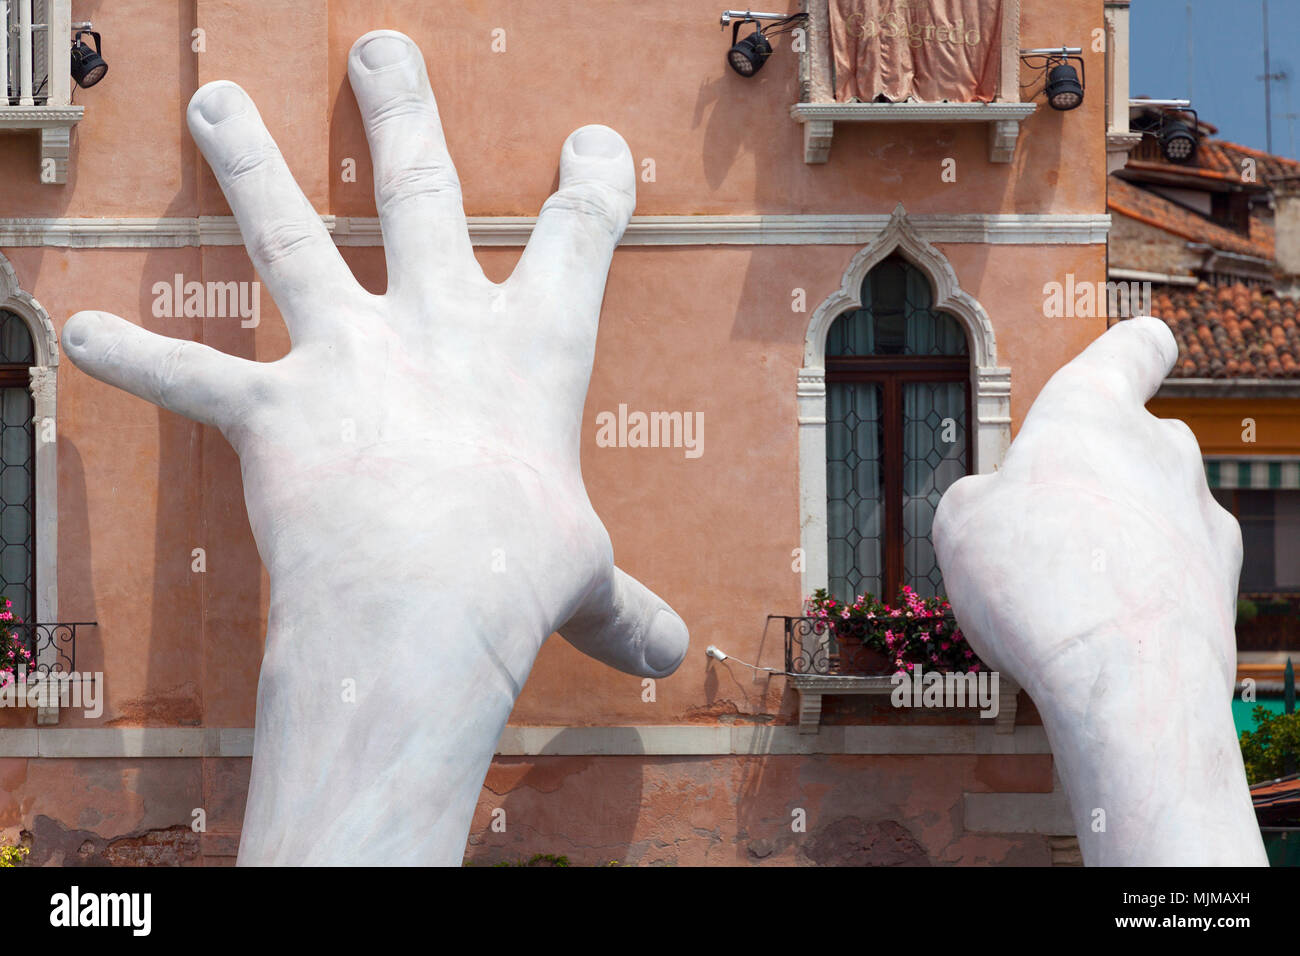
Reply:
x=898, y=434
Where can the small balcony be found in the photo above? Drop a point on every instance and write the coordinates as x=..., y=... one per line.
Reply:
x=53, y=645
x=53, y=649
x=818, y=662
x=819, y=112
x=36, y=77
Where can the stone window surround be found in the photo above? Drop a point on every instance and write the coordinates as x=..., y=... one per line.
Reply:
x=990, y=384
x=44, y=379
x=991, y=414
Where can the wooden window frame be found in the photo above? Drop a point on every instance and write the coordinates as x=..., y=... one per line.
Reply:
x=891, y=372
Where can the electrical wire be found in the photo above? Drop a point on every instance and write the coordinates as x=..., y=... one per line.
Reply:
x=784, y=26
x=770, y=670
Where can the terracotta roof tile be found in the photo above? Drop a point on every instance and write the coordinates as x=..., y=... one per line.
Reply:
x=1145, y=206
x=1272, y=791
x=1216, y=159
x=1225, y=156
x=1231, y=331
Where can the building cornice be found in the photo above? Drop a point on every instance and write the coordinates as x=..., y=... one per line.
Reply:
x=640, y=740
x=1229, y=388
x=709, y=230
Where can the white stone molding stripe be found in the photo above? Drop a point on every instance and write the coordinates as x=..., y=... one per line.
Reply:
x=650, y=741
x=44, y=388
x=990, y=384
x=794, y=230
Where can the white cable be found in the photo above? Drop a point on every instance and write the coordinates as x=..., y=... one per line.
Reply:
x=719, y=655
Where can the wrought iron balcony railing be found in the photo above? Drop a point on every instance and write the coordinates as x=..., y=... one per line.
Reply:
x=53, y=645
x=811, y=648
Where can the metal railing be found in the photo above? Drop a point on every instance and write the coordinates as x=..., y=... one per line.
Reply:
x=811, y=646
x=53, y=645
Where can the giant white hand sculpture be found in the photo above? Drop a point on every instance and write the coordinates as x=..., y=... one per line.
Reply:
x=1096, y=569
x=411, y=472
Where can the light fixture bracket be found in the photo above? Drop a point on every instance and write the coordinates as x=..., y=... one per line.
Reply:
x=1045, y=60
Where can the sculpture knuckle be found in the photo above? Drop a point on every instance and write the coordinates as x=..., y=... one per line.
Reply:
x=281, y=240
x=401, y=108
x=248, y=161
x=429, y=178
x=171, y=372
x=597, y=203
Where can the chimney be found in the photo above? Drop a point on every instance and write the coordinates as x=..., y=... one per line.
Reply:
x=1286, y=229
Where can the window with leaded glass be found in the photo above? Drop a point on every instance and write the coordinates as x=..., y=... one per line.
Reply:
x=897, y=433
x=17, y=468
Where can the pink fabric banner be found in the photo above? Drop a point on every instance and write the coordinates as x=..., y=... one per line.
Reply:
x=927, y=50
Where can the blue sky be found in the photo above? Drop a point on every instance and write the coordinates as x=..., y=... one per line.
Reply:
x=1227, y=55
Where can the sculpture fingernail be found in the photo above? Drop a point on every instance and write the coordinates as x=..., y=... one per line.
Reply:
x=597, y=142
x=382, y=51
x=80, y=327
x=219, y=103
x=668, y=641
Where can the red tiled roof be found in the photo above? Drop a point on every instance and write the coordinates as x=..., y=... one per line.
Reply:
x=1223, y=156
x=1216, y=159
x=1230, y=331
x=1277, y=801
x=1271, y=790
x=1155, y=210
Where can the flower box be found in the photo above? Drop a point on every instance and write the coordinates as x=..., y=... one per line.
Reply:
x=874, y=638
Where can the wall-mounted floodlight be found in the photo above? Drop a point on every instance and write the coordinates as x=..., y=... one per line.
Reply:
x=1166, y=122
x=747, y=56
x=1061, y=82
x=88, y=66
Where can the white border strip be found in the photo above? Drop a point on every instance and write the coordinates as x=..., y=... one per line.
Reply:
x=650, y=741
x=800, y=230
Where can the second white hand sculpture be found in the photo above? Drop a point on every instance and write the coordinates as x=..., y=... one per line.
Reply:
x=411, y=472
x=1097, y=570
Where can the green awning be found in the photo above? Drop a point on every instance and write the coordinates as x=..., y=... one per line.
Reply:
x=1253, y=473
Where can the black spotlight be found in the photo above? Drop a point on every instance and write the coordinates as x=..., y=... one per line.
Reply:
x=1064, y=91
x=748, y=56
x=1178, y=141
x=88, y=66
